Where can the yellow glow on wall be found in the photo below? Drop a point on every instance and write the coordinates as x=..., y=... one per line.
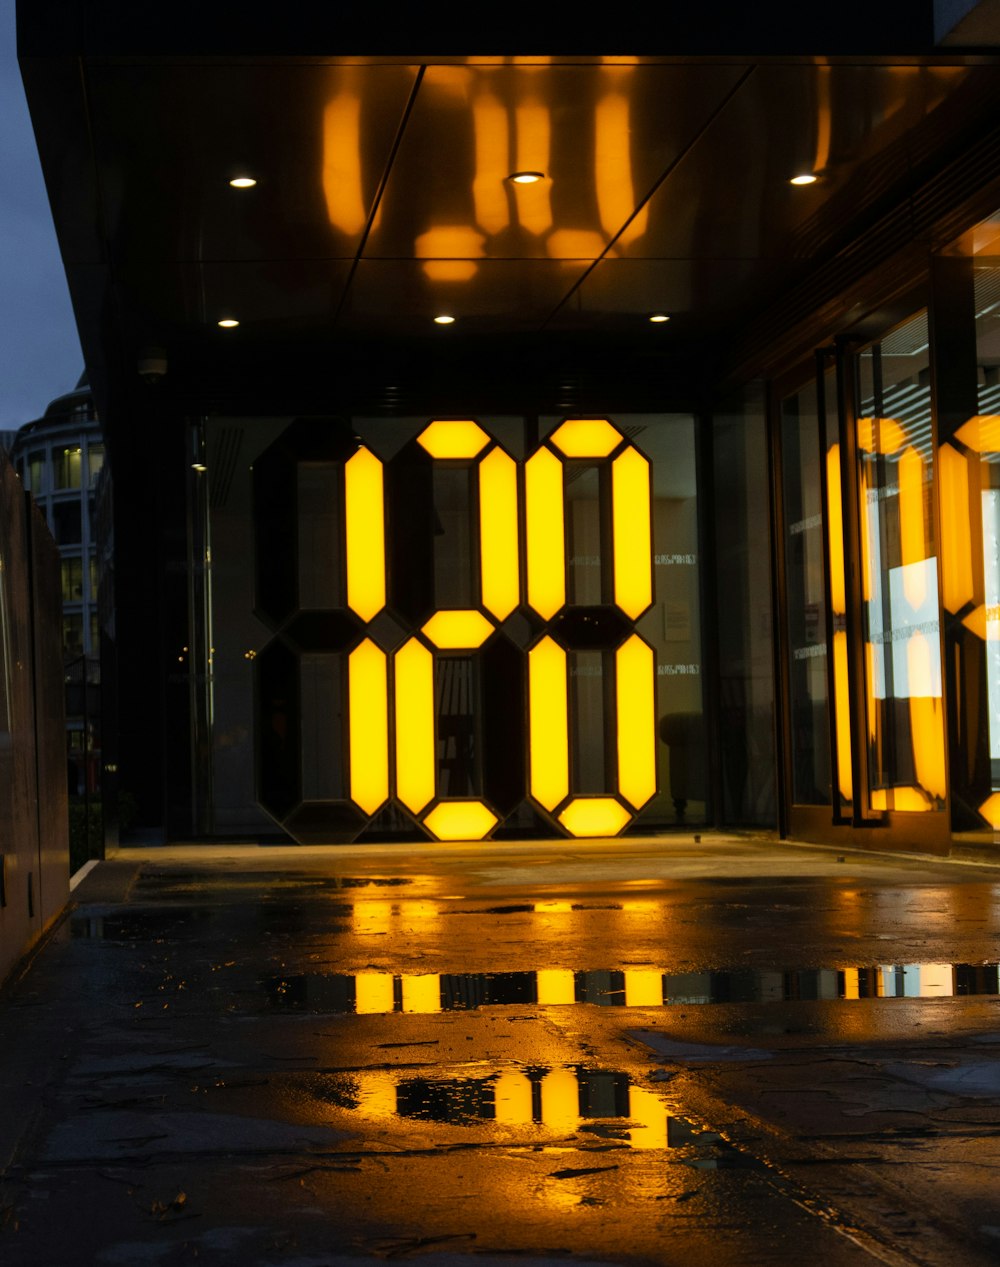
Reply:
x=651, y=1114
x=613, y=164
x=453, y=439
x=561, y=1101
x=633, y=532
x=990, y=810
x=594, y=816
x=498, y=534
x=512, y=1098
x=575, y=244
x=548, y=723
x=643, y=987
x=842, y=717
x=957, y=582
x=422, y=993
x=911, y=526
x=342, y=163
x=415, y=756
x=373, y=993
x=533, y=202
x=635, y=687
x=981, y=434
x=457, y=630
x=545, y=526
x=368, y=727
x=365, y=546
x=449, y=241
x=586, y=437
x=449, y=270
x=489, y=122
x=460, y=820
x=555, y=986
x=835, y=531
x=880, y=435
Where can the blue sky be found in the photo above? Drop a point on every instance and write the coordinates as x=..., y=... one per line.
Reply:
x=39, y=350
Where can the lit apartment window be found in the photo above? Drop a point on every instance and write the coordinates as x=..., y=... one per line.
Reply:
x=67, y=467
x=36, y=472
x=95, y=461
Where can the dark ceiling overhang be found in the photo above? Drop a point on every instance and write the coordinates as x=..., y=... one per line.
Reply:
x=383, y=200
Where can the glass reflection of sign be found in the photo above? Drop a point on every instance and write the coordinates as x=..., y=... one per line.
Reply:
x=383, y=655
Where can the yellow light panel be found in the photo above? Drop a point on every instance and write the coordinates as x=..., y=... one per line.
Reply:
x=342, y=163
x=594, y=816
x=545, y=520
x=982, y=433
x=556, y=986
x=586, y=438
x=910, y=800
x=512, y=1098
x=368, y=728
x=635, y=687
x=975, y=622
x=498, y=535
x=460, y=820
x=422, y=993
x=457, y=630
x=548, y=723
x=842, y=715
x=911, y=526
x=365, y=550
x=990, y=810
x=633, y=532
x=415, y=757
x=880, y=435
x=458, y=439
x=954, y=474
x=835, y=531
x=373, y=993
x=643, y=987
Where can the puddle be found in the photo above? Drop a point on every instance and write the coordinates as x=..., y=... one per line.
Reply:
x=562, y=1100
x=376, y=993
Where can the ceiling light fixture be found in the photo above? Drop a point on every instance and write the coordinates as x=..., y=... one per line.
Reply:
x=198, y=466
x=659, y=317
x=526, y=178
x=228, y=323
x=243, y=182
x=444, y=320
x=806, y=178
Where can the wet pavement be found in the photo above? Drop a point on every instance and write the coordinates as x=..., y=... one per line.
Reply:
x=721, y=1052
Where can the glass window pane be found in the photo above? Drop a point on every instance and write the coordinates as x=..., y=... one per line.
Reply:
x=72, y=636
x=36, y=472
x=67, y=467
x=67, y=527
x=72, y=580
x=95, y=462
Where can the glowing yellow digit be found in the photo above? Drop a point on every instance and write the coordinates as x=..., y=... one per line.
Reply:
x=363, y=503
x=368, y=726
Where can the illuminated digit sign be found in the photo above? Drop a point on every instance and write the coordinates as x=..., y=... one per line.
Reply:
x=390, y=683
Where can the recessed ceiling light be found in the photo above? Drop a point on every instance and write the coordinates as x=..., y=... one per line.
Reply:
x=658, y=317
x=806, y=178
x=526, y=178
x=198, y=466
x=228, y=323
x=243, y=182
x=444, y=319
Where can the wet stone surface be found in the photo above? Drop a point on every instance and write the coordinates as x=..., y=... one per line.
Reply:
x=232, y=1061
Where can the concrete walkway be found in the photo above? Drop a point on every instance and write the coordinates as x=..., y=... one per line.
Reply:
x=725, y=1051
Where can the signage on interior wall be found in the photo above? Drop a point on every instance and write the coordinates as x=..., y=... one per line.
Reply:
x=400, y=657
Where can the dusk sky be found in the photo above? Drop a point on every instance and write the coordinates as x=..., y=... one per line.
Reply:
x=39, y=350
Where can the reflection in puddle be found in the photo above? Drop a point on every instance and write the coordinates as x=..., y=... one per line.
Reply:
x=376, y=993
x=563, y=1100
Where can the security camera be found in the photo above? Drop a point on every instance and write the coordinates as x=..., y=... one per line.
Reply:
x=152, y=365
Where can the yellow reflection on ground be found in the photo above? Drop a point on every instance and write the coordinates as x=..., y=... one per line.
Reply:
x=635, y=687
x=460, y=820
x=512, y=1099
x=586, y=437
x=377, y=1094
x=457, y=630
x=555, y=985
x=368, y=727
x=643, y=987
x=373, y=918
x=649, y=1112
x=415, y=765
x=545, y=532
x=342, y=163
x=365, y=518
x=852, y=983
x=548, y=723
x=632, y=532
x=957, y=583
x=454, y=438
x=373, y=993
x=561, y=1101
x=498, y=534
x=421, y=993
x=594, y=816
